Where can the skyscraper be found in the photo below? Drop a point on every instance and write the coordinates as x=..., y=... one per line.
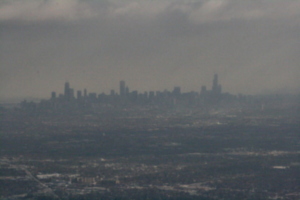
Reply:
x=215, y=84
x=126, y=91
x=176, y=91
x=85, y=93
x=216, y=87
x=203, y=91
x=67, y=93
x=79, y=94
x=53, y=95
x=67, y=88
x=112, y=93
x=71, y=93
x=122, y=88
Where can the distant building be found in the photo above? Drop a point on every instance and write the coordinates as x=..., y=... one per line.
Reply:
x=176, y=91
x=127, y=98
x=151, y=95
x=53, y=95
x=203, y=91
x=71, y=93
x=112, y=93
x=67, y=92
x=122, y=88
x=216, y=87
x=92, y=95
x=79, y=94
x=85, y=93
x=127, y=91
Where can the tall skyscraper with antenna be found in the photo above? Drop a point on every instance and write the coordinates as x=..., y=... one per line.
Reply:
x=216, y=87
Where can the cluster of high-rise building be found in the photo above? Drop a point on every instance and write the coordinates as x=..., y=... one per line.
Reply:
x=127, y=97
x=70, y=100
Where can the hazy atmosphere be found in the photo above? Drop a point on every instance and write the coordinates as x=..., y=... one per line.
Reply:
x=152, y=44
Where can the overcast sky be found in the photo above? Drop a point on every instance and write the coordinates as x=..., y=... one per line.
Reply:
x=253, y=45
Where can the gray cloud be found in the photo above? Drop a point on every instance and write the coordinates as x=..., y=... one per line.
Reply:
x=200, y=11
x=43, y=10
x=253, y=45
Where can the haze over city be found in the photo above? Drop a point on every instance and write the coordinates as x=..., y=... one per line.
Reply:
x=153, y=45
x=149, y=99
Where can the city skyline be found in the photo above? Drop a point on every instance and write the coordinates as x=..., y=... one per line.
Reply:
x=153, y=45
x=212, y=86
x=124, y=90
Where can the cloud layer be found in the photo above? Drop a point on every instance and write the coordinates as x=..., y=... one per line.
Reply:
x=41, y=10
x=199, y=11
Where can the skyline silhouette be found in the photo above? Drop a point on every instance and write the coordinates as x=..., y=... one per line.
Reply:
x=153, y=45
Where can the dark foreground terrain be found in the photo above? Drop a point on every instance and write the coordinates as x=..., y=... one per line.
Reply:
x=184, y=157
